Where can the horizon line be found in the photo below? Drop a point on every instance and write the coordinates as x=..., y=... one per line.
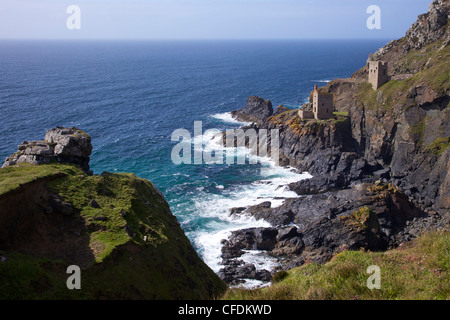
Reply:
x=191, y=39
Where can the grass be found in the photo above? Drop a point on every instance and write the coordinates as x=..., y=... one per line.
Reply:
x=363, y=218
x=114, y=193
x=438, y=146
x=137, y=249
x=342, y=120
x=367, y=96
x=416, y=270
x=433, y=65
x=341, y=113
x=418, y=132
x=13, y=177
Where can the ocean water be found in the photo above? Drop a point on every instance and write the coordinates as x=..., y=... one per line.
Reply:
x=131, y=96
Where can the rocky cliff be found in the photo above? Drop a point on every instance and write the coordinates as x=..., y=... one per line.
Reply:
x=384, y=159
x=67, y=145
x=116, y=227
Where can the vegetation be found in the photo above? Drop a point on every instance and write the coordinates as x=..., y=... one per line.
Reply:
x=11, y=178
x=438, y=146
x=133, y=246
x=341, y=113
x=342, y=120
x=429, y=67
x=367, y=96
x=416, y=270
x=418, y=132
x=363, y=218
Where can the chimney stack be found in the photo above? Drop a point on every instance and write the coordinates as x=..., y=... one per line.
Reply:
x=315, y=87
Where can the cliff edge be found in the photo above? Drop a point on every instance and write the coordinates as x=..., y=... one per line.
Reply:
x=117, y=228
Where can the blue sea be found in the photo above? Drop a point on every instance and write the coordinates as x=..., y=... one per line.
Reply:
x=131, y=96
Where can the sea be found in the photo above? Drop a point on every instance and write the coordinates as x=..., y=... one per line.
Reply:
x=132, y=97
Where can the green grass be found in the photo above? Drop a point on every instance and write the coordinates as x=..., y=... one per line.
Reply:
x=363, y=218
x=367, y=96
x=13, y=177
x=416, y=270
x=418, y=132
x=153, y=260
x=435, y=66
x=341, y=113
x=115, y=193
x=438, y=146
x=434, y=75
x=342, y=120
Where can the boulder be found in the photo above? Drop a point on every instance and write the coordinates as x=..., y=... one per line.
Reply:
x=67, y=145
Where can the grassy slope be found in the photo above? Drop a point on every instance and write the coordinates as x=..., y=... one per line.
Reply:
x=124, y=265
x=416, y=270
x=433, y=65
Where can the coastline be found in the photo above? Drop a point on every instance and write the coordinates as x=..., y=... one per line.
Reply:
x=272, y=187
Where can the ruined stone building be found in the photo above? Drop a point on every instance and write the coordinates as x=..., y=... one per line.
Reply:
x=321, y=107
x=378, y=73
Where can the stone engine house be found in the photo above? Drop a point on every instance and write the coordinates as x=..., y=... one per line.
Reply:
x=378, y=73
x=321, y=107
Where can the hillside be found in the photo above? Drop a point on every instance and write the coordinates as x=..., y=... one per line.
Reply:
x=116, y=227
x=418, y=270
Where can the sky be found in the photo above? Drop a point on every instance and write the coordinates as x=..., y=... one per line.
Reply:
x=206, y=19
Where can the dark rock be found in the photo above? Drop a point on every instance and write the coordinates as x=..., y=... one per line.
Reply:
x=230, y=251
x=100, y=218
x=280, y=109
x=236, y=210
x=256, y=109
x=266, y=238
x=290, y=246
x=127, y=229
x=429, y=27
x=265, y=204
x=247, y=271
x=275, y=216
x=57, y=204
x=287, y=233
x=263, y=275
x=237, y=271
x=94, y=204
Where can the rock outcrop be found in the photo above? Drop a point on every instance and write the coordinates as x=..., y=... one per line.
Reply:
x=65, y=145
x=256, y=110
x=117, y=228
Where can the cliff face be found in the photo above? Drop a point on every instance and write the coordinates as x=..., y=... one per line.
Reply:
x=404, y=125
x=117, y=228
x=385, y=152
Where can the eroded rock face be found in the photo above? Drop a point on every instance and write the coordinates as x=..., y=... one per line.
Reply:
x=429, y=26
x=68, y=145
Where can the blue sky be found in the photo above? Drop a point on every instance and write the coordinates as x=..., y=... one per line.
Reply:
x=207, y=19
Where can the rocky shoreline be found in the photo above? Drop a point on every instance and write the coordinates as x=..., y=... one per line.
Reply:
x=380, y=168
